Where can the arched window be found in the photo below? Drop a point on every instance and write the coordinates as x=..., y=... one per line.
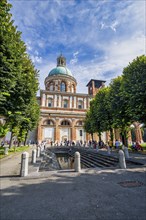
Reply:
x=80, y=104
x=51, y=87
x=50, y=102
x=62, y=87
x=49, y=122
x=79, y=123
x=65, y=103
x=65, y=123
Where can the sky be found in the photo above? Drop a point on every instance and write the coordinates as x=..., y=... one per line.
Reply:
x=98, y=37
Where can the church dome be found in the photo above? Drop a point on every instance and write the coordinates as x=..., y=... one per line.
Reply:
x=61, y=67
x=60, y=70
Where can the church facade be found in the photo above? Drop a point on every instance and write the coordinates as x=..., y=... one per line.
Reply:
x=62, y=109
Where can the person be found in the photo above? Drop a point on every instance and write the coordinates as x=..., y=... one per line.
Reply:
x=2, y=143
x=138, y=146
x=117, y=144
x=133, y=147
x=110, y=144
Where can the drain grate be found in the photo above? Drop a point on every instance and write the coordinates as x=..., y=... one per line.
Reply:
x=131, y=184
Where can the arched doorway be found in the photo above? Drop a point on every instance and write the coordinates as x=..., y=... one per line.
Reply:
x=65, y=131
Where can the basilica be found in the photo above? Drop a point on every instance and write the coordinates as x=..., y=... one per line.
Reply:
x=62, y=109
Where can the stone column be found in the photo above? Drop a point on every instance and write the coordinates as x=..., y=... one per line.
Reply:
x=122, y=162
x=84, y=106
x=24, y=164
x=34, y=156
x=57, y=131
x=38, y=152
x=126, y=152
x=77, y=162
x=6, y=150
x=75, y=102
x=39, y=133
x=73, y=130
x=43, y=99
x=70, y=98
x=108, y=150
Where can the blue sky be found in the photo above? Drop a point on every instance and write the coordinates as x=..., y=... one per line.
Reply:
x=97, y=37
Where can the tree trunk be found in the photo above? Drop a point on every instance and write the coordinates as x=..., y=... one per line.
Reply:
x=111, y=135
x=99, y=134
x=19, y=143
x=92, y=136
x=11, y=140
x=124, y=137
x=25, y=139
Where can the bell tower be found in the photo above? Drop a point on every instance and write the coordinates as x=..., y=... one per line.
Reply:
x=94, y=86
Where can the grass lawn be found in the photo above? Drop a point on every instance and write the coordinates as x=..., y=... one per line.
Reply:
x=13, y=150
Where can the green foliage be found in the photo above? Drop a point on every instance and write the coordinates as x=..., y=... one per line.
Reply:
x=118, y=104
x=134, y=86
x=18, y=78
x=89, y=123
x=104, y=113
x=122, y=103
x=3, y=129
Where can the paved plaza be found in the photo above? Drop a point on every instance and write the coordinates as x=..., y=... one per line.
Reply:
x=93, y=194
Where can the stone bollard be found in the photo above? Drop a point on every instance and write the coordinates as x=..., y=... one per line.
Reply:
x=126, y=152
x=34, y=156
x=122, y=162
x=24, y=164
x=77, y=162
x=38, y=151
x=108, y=150
x=6, y=151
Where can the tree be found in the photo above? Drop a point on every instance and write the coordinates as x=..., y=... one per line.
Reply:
x=11, y=53
x=92, y=122
x=118, y=106
x=103, y=110
x=18, y=78
x=89, y=124
x=134, y=86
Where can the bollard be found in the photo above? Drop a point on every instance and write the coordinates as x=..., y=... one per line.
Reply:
x=38, y=151
x=34, y=156
x=122, y=162
x=6, y=151
x=77, y=162
x=126, y=152
x=24, y=164
x=108, y=150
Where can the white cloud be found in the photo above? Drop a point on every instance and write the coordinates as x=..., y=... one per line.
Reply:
x=75, y=59
x=36, y=59
x=113, y=25
x=28, y=45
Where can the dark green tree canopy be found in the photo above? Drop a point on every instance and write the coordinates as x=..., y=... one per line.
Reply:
x=134, y=86
x=18, y=76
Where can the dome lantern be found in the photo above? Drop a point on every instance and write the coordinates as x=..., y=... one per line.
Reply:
x=61, y=61
x=61, y=68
